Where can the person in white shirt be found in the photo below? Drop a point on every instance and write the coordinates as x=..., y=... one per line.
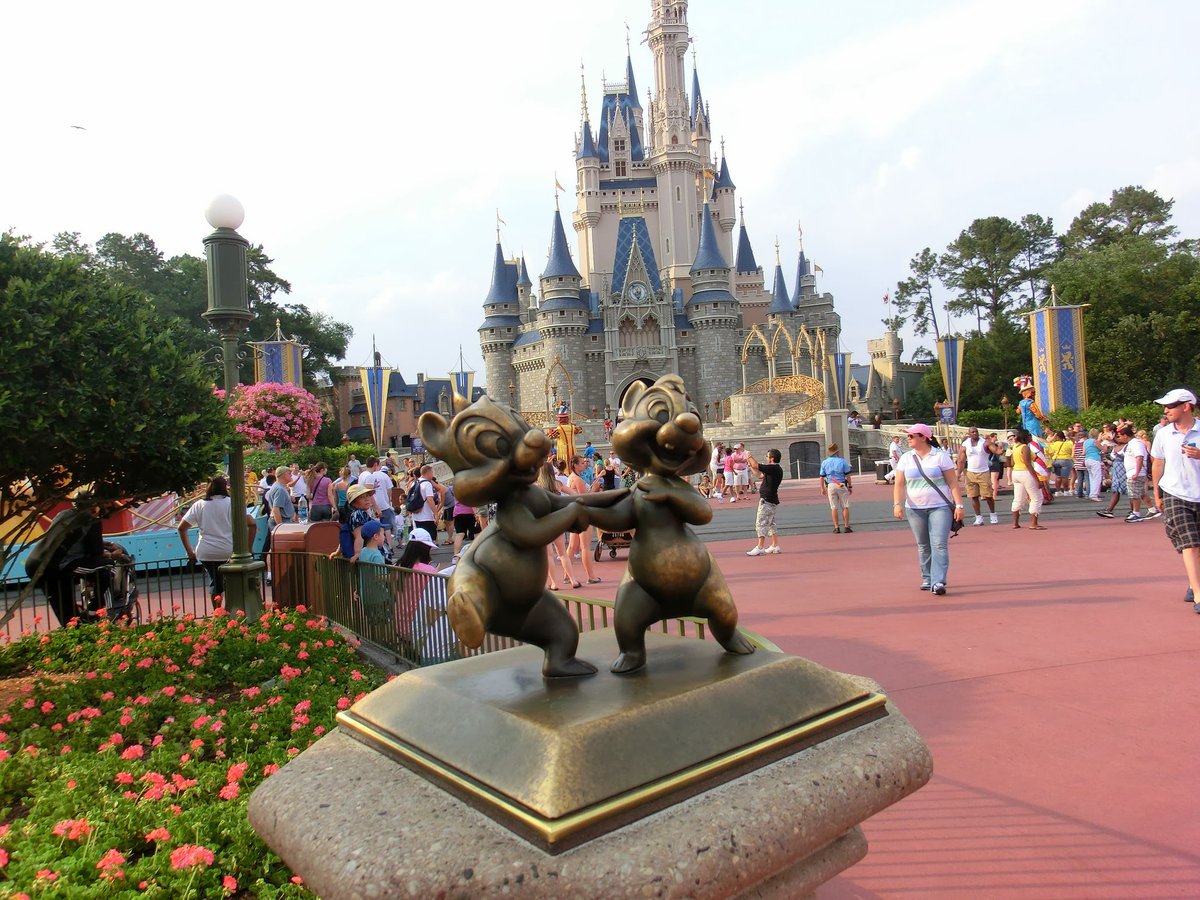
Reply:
x=1175, y=474
x=894, y=452
x=381, y=485
x=974, y=457
x=214, y=518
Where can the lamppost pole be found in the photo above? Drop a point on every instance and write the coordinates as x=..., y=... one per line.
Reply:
x=229, y=313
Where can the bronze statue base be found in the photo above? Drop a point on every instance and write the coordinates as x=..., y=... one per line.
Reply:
x=560, y=762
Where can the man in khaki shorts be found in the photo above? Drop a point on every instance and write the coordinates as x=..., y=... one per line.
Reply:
x=973, y=459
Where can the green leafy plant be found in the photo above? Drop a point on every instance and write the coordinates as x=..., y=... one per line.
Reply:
x=127, y=761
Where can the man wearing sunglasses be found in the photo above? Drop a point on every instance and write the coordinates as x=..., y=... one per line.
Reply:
x=1175, y=473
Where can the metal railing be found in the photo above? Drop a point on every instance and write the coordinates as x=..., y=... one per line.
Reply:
x=166, y=589
x=398, y=610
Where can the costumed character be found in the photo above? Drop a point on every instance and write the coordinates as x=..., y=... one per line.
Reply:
x=499, y=585
x=671, y=572
x=1032, y=417
x=563, y=434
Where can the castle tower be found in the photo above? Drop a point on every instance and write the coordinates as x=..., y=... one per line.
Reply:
x=675, y=161
x=714, y=314
x=587, y=190
x=723, y=194
x=562, y=315
x=501, y=324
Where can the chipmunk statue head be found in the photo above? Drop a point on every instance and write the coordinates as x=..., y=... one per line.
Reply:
x=660, y=430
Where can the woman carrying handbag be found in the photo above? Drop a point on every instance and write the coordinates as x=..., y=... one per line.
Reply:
x=924, y=475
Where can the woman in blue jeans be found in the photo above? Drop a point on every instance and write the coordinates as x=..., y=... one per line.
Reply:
x=926, y=477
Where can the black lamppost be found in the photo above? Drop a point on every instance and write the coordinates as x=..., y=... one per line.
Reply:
x=512, y=395
x=229, y=313
x=1004, y=405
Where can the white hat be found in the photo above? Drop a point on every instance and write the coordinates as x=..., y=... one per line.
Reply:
x=1179, y=395
x=422, y=536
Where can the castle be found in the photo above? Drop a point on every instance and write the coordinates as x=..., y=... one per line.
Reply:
x=660, y=286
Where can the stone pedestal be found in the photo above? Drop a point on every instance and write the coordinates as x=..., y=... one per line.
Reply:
x=354, y=823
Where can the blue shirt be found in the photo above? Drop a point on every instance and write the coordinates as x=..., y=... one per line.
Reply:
x=1091, y=450
x=371, y=555
x=835, y=469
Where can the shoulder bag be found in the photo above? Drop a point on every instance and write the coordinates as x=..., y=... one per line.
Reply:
x=955, y=524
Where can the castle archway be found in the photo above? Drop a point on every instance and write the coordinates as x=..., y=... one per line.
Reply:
x=623, y=389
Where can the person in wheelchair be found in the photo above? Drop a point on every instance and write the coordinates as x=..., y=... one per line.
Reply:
x=75, y=541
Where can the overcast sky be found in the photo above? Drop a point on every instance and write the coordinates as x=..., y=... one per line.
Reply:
x=371, y=144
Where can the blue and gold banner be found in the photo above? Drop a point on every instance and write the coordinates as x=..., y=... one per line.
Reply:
x=280, y=362
x=839, y=370
x=950, y=356
x=375, y=391
x=464, y=383
x=1059, y=362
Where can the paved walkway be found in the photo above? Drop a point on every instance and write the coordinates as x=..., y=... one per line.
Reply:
x=1053, y=684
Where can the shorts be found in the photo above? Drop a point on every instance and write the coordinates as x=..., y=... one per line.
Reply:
x=428, y=526
x=1183, y=522
x=1137, y=487
x=743, y=477
x=1062, y=468
x=764, y=522
x=839, y=496
x=979, y=484
x=387, y=518
x=467, y=525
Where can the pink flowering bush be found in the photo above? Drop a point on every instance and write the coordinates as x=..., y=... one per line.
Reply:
x=129, y=773
x=270, y=413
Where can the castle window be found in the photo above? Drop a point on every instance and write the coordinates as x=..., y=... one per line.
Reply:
x=402, y=405
x=684, y=332
x=491, y=331
x=621, y=169
x=716, y=306
x=595, y=338
x=508, y=331
x=618, y=145
x=668, y=246
x=678, y=191
x=562, y=313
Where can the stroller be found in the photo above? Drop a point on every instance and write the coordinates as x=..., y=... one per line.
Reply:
x=111, y=587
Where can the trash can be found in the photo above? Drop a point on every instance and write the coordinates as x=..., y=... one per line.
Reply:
x=294, y=552
x=882, y=467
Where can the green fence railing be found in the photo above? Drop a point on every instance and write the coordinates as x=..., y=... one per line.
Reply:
x=404, y=612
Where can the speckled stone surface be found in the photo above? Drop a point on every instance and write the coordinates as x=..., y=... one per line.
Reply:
x=354, y=824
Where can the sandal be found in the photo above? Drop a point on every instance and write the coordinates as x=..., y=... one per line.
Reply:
x=576, y=584
x=593, y=581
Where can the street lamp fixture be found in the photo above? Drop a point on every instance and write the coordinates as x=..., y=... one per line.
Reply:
x=229, y=313
x=1005, y=403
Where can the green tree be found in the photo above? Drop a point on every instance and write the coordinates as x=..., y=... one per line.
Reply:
x=914, y=295
x=178, y=287
x=1039, y=252
x=983, y=266
x=97, y=390
x=1132, y=211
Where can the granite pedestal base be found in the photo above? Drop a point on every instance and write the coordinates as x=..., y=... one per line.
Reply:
x=355, y=824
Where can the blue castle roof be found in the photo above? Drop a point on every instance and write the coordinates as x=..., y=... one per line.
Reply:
x=528, y=337
x=587, y=147
x=559, y=264
x=504, y=280
x=745, y=254
x=501, y=322
x=619, y=104
x=801, y=271
x=595, y=326
x=697, y=101
x=781, y=303
x=629, y=82
x=713, y=295
x=523, y=275
x=708, y=253
x=723, y=179
x=681, y=321
x=629, y=229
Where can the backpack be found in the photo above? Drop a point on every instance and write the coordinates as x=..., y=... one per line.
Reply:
x=413, y=501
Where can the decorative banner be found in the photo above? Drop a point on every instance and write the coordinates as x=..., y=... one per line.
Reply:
x=279, y=359
x=950, y=356
x=839, y=367
x=1059, y=362
x=464, y=383
x=375, y=390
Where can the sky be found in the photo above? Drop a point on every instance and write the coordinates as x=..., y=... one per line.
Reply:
x=372, y=144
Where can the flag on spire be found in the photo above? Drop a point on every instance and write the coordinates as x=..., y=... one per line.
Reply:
x=818, y=269
x=887, y=298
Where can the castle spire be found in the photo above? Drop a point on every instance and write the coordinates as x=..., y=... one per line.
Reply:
x=708, y=253
x=745, y=253
x=559, y=263
x=781, y=303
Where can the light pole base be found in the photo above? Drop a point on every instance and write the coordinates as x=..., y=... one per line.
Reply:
x=243, y=585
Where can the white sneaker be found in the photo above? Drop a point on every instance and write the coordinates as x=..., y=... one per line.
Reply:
x=755, y=551
x=978, y=520
x=993, y=520
x=773, y=549
x=1133, y=517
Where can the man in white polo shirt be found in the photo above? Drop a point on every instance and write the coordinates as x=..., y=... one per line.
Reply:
x=1175, y=473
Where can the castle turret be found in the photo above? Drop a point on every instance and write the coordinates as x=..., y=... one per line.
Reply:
x=587, y=189
x=715, y=315
x=501, y=324
x=724, y=193
x=780, y=310
x=562, y=311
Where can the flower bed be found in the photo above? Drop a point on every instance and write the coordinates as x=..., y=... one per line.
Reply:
x=132, y=776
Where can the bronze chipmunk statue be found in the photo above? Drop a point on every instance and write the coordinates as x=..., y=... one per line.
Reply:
x=499, y=585
x=671, y=573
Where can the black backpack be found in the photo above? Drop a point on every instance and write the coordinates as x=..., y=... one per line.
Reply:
x=413, y=501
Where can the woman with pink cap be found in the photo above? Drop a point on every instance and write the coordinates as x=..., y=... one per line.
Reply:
x=926, y=480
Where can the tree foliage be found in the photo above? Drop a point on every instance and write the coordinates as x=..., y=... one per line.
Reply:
x=98, y=389
x=1131, y=212
x=983, y=266
x=178, y=287
x=914, y=295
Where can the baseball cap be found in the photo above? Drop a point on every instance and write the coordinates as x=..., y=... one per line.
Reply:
x=924, y=430
x=1179, y=395
x=370, y=529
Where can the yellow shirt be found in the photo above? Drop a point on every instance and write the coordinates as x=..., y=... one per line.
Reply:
x=1018, y=458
